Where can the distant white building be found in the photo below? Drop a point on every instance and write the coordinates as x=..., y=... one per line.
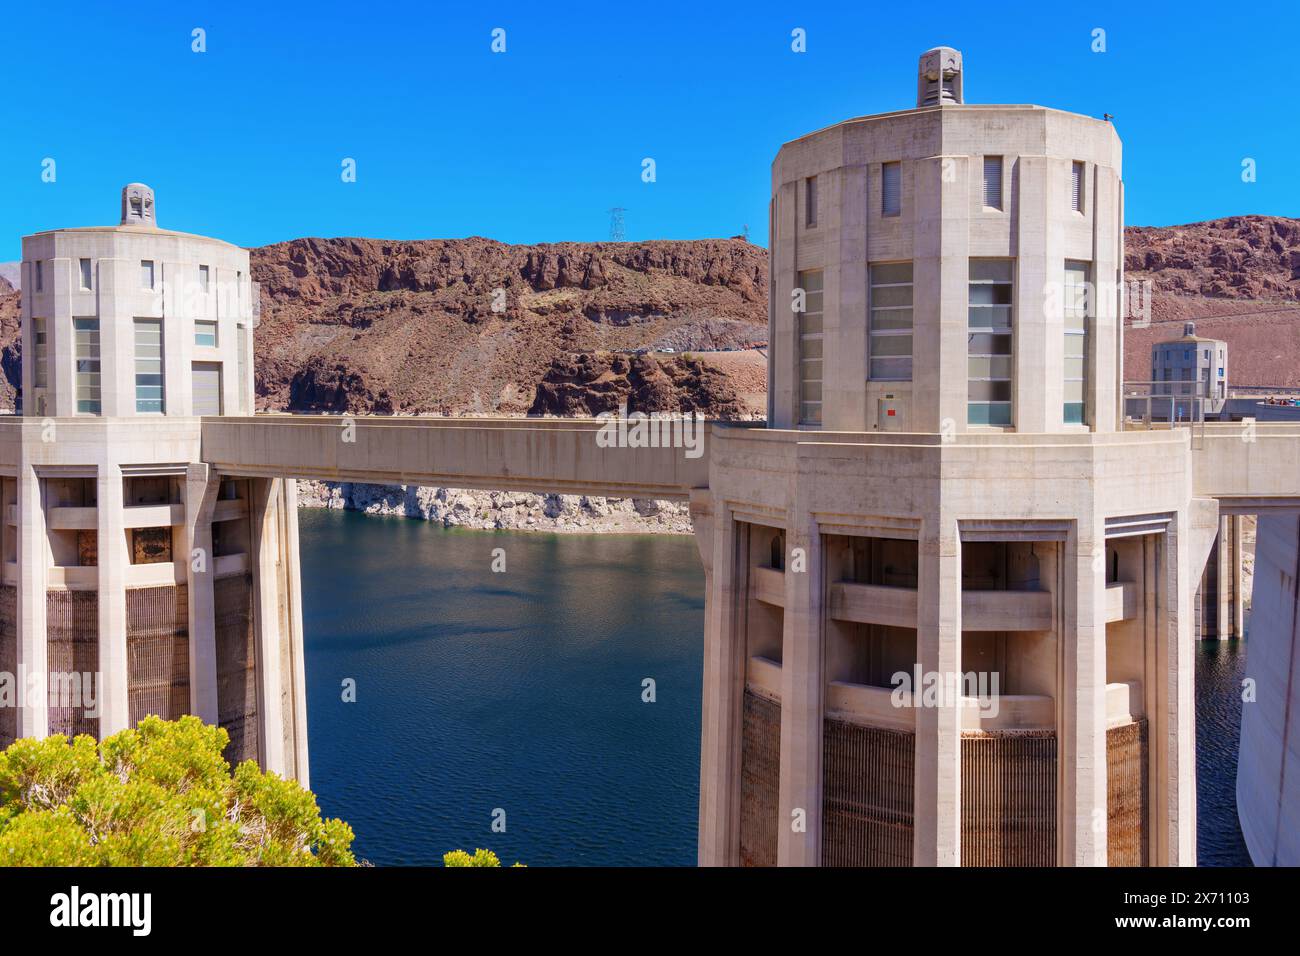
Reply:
x=1192, y=366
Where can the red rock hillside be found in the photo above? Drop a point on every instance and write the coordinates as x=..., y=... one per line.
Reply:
x=1237, y=278
x=410, y=327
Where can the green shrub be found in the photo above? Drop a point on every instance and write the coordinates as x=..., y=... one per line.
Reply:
x=158, y=795
x=480, y=858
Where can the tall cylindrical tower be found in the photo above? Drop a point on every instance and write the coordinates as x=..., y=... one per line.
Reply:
x=138, y=580
x=949, y=597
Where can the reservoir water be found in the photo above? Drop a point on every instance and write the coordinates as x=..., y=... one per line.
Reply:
x=522, y=691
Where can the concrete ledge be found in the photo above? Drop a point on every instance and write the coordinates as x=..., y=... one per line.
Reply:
x=1123, y=703
x=1014, y=712
x=224, y=564
x=868, y=706
x=72, y=578
x=152, y=516
x=873, y=604
x=1007, y=611
x=73, y=519
x=228, y=509
x=154, y=575
x=876, y=707
x=763, y=677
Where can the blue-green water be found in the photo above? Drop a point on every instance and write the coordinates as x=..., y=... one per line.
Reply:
x=1220, y=667
x=523, y=691
x=520, y=691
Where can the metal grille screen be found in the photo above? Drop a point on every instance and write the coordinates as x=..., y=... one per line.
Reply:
x=8, y=659
x=72, y=638
x=1008, y=799
x=158, y=653
x=1126, y=795
x=236, y=666
x=868, y=785
x=760, y=772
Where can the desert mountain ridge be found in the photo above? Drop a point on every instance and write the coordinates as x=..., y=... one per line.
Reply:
x=476, y=326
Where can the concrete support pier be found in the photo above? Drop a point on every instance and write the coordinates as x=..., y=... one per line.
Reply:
x=1220, y=612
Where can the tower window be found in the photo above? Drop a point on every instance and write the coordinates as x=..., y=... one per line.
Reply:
x=85, y=273
x=205, y=333
x=149, y=366
x=989, y=342
x=146, y=274
x=203, y=279
x=809, y=323
x=1076, y=187
x=810, y=201
x=890, y=189
x=891, y=322
x=40, y=375
x=993, y=182
x=40, y=275
x=1077, y=318
x=86, y=335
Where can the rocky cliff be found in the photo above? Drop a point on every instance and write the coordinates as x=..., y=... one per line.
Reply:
x=473, y=326
x=11, y=376
x=500, y=510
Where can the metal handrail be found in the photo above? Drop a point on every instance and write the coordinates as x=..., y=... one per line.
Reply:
x=1185, y=401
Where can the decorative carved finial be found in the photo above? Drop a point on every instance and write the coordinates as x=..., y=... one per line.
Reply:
x=137, y=205
x=938, y=79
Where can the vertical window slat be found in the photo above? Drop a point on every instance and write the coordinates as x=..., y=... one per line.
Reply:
x=993, y=182
x=808, y=329
x=890, y=189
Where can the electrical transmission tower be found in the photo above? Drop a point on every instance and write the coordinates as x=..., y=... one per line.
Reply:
x=616, y=224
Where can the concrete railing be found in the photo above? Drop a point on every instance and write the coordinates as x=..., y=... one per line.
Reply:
x=867, y=705
x=879, y=707
x=763, y=676
x=74, y=578
x=1006, y=611
x=152, y=516
x=224, y=564
x=155, y=574
x=1121, y=601
x=544, y=455
x=1249, y=467
x=69, y=518
x=1123, y=702
x=227, y=509
x=873, y=604
x=767, y=585
x=1008, y=712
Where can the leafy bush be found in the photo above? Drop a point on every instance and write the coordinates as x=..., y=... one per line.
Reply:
x=158, y=795
x=480, y=858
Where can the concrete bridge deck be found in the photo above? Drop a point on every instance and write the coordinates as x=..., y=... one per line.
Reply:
x=509, y=454
x=1249, y=470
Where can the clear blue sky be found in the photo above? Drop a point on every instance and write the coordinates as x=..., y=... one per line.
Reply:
x=245, y=141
